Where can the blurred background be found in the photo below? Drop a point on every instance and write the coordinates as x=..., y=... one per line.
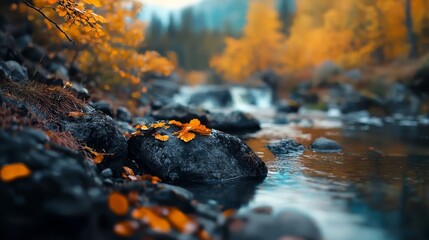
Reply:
x=350, y=55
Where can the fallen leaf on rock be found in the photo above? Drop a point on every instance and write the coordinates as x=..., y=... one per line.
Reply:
x=128, y=171
x=187, y=133
x=125, y=228
x=152, y=179
x=76, y=114
x=153, y=220
x=174, y=122
x=118, y=203
x=97, y=157
x=203, y=235
x=13, y=171
x=162, y=138
x=158, y=125
x=181, y=222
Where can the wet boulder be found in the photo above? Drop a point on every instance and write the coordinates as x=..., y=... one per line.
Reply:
x=206, y=158
x=287, y=147
x=325, y=145
x=180, y=113
x=100, y=132
x=234, y=122
x=13, y=71
x=261, y=224
x=122, y=114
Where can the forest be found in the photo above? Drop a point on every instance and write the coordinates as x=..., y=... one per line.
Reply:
x=214, y=119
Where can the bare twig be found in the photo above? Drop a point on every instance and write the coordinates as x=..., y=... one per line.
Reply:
x=50, y=20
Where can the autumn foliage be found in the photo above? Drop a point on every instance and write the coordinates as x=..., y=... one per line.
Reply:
x=108, y=34
x=351, y=33
x=260, y=48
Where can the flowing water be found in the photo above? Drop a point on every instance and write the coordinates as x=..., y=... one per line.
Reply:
x=357, y=194
x=377, y=188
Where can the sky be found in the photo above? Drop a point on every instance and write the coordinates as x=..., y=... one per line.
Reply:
x=171, y=4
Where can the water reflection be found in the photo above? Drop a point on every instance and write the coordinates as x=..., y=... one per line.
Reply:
x=231, y=194
x=377, y=189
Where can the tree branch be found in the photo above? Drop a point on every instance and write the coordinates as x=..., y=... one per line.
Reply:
x=50, y=20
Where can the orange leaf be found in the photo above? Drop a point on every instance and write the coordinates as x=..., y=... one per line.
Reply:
x=186, y=136
x=128, y=171
x=174, y=122
x=194, y=123
x=162, y=137
x=153, y=179
x=13, y=171
x=203, y=130
x=98, y=158
x=203, y=235
x=118, y=203
x=181, y=222
x=125, y=228
x=153, y=220
x=75, y=114
x=158, y=125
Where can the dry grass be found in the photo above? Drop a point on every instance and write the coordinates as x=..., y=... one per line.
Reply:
x=46, y=102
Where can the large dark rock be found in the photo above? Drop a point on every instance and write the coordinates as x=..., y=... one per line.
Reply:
x=261, y=224
x=215, y=157
x=100, y=132
x=180, y=113
x=234, y=122
x=325, y=145
x=59, y=190
x=287, y=147
x=13, y=71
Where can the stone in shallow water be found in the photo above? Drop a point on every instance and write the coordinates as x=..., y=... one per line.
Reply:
x=286, y=147
x=325, y=145
x=215, y=157
x=262, y=225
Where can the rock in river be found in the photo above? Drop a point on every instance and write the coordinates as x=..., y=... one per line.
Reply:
x=286, y=147
x=261, y=224
x=325, y=145
x=206, y=158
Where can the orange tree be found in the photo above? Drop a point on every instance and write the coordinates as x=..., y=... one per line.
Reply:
x=355, y=33
x=107, y=33
x=260, y=48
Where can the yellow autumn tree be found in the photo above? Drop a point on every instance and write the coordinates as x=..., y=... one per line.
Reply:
x=354, y=33
x=108, y=34
x=260, y=48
